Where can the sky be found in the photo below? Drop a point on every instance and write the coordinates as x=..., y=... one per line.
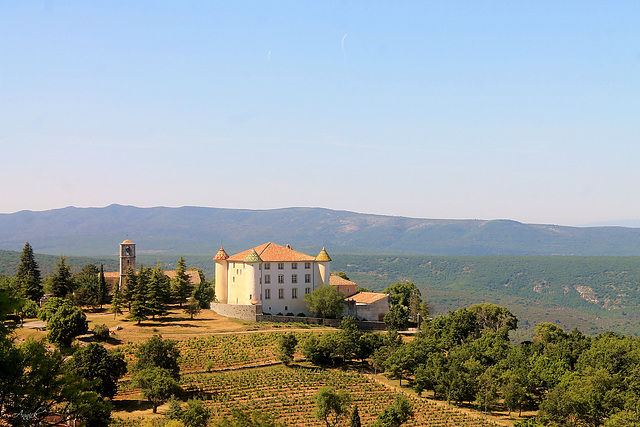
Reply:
x=522, y=110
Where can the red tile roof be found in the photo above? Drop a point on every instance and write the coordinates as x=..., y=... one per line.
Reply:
x=194, y=276
x=367, y=297
x=336, y=280
x=221, y=255
x=271, y=252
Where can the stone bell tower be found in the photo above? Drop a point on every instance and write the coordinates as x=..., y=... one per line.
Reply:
x=127, y=258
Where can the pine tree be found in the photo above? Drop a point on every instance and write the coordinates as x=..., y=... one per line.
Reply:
x=61, y=282
x=116, y=301
x=102, y=286
x=180, y=285
x=139, y=310
x=155, y=292
x=128, y=287
x=28, y=279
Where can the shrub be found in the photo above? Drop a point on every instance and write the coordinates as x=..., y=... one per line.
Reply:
x=101, y=332
x=290, y=314
x=302, y=315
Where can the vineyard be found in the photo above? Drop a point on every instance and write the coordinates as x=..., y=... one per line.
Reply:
x=223, y=351
x=287, y=395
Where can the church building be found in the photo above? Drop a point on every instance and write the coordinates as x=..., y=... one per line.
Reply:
x=277, y=277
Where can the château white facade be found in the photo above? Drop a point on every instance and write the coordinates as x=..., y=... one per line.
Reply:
x=275, y=276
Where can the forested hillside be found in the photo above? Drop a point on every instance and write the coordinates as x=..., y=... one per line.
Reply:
x=595, y=294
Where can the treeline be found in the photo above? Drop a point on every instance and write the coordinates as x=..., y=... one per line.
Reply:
x=466, y=357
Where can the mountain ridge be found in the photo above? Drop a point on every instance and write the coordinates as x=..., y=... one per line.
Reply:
x=202, y=230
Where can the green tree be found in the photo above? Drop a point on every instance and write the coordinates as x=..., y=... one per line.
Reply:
x=157, y=385
x=326, y=301
x=87, y=287
x=400, y=293
x=331, y=406
x=195, y=414
x=192, y=308
x=27, y=309
x=156, y=292
x=396, y=413
x=102, y=367
x=128, y=288
x=397, y=318
x=61, y=283
x=156, y=352
x=175, y=409
x=116, y=301
x=139, y=310
x=623, y=419
x=65, y=325
x=342, y=274
x=204, y=293
x=102, y=287
x=286, y=347
x=354, y=420
x=28, y=279
x=40, y=384
x=181, y=284
x=52, y=306
x=487, y=394
x=585, y=398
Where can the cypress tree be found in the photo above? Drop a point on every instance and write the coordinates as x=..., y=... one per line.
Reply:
x=28, y=279
x=102, y=286
x=355, y=417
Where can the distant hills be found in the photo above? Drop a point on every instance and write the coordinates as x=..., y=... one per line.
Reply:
x=199, y=230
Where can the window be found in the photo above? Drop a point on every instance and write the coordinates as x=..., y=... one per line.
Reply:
x=294, y=265
x=307, y=265
x=267, y=266
x=294, y=278
x=294, y=293
x=280, y=278
x=267, y=278
x=307, y=278
x=307, y=291
x=281, y=293
x=267, y=294
x=281, y=266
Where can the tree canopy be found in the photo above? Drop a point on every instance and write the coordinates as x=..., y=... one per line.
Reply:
x=325, y=301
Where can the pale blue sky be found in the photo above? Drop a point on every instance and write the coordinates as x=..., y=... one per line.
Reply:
x=481, y=109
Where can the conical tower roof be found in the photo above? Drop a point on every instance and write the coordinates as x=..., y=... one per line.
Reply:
x=253, y=257
x=323, y=256
x=221, y=255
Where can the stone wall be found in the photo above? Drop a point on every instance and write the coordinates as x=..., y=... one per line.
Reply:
x=242, y=312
